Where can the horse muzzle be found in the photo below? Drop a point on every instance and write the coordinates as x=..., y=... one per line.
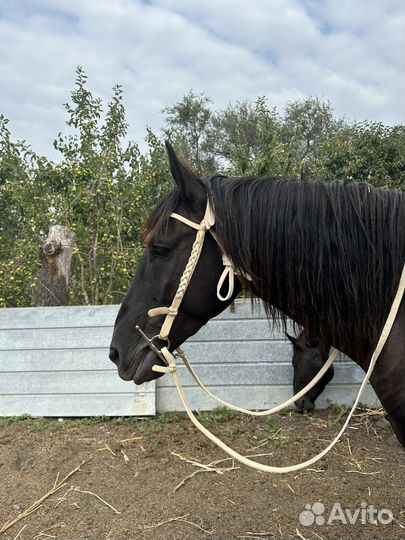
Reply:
x=305, y=405
x=137, y=366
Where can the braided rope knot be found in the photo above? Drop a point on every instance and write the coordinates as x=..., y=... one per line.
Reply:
x=226, y=261
x=164, y=369
x=170, y=311
x=171, y=366
x=191, y=264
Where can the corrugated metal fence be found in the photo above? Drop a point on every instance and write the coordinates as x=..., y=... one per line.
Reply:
x=54, y=362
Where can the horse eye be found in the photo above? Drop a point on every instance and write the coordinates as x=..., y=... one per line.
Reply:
x=158, y=250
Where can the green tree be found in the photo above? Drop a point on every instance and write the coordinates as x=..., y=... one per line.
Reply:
x=305, y=128
x=186, y=123
x=238, y=134
x=25, y=208
x=99, y=201
x=365, y=152
x=104, y=187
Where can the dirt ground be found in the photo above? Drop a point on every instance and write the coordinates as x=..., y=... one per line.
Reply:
x=142, y=479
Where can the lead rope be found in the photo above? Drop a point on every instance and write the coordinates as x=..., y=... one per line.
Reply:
x=171, y=312
x=334, y=354
x=172, y=368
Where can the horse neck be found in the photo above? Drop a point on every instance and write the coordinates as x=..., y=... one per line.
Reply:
x=317, y=254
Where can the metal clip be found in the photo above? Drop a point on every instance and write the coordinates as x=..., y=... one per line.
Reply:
x=151, y=345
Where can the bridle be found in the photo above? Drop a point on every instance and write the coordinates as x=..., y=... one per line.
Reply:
x=171, y=312
x=229, y=272
x=206, y=225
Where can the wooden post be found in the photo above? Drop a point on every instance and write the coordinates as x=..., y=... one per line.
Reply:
x=55, y=255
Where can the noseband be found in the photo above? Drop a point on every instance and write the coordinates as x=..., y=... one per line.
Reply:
x=229, y=272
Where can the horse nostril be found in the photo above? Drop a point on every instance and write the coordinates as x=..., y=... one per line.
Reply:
x=310, y=406
x=114, y=355
x=300, y=405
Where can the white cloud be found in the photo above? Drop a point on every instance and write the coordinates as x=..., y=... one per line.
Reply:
x=350, y=52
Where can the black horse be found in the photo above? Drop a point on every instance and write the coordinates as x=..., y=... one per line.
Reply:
x=329, y=256
x=309, y=355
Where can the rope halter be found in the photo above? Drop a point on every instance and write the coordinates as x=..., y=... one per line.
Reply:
x=228, y=273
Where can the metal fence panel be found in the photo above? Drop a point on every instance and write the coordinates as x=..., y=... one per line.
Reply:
x=54, y=362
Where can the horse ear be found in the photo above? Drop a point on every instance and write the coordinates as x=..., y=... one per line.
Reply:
x=291, y=338
x=297, y=342
x=191, y=188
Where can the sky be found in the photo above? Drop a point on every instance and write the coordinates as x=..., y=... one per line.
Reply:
x=349, y=52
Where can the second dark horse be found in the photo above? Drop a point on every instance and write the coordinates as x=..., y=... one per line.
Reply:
x=309, y=355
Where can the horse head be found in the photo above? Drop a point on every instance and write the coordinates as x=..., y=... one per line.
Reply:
x=168, y=246
x=309, y=355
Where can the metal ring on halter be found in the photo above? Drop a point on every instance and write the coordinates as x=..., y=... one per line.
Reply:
x=152, y=346
x=157, y=336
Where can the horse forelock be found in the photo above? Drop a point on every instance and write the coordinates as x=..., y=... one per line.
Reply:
x=329, y=254
x=158, y=221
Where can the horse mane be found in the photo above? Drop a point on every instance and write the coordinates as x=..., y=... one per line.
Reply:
x=330, y=255
x=159, y=219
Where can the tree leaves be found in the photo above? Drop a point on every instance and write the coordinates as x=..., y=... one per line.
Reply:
x=104, y=187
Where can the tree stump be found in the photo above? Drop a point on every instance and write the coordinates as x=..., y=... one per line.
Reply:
x=55, y=255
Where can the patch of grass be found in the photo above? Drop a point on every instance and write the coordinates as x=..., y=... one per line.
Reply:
x=84, y=422
x=231, y=431
x=40, y=424
x=217, y=416
x=161, y=418
x=53, y=424
x=148, y=428
x=177, y=431
x=281, y=441
x=8, y=420
x=272, y=425
x=144, y=425
x=337, y=409
x=222, y=414
x=173, y=417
